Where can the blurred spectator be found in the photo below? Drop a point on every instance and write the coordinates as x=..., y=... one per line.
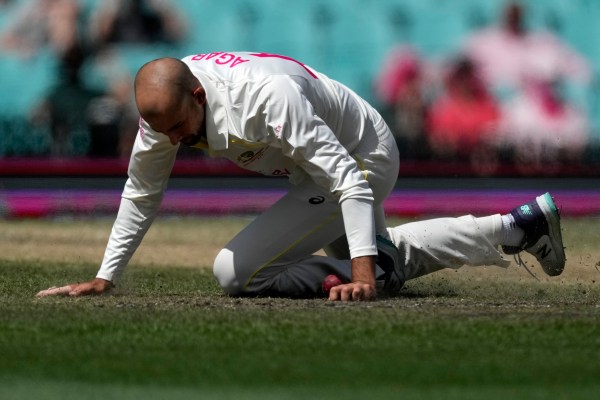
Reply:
x=136, y=22
x=65, y=108
x=140, y=23
x=541, y=129
x=42, y=23
x=83, y=120
x=5, y=8
x=401, y=88
x=111, y=122
x=508, y=52
x=463, y=119
x=126, y=116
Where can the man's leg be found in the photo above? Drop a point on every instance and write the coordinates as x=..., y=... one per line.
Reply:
x=274, y=254
x=428, y=246
x=432, y=245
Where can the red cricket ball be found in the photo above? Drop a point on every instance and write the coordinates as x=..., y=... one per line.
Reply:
x=329, y=282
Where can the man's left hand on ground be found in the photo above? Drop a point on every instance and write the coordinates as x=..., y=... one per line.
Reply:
x=93, y=287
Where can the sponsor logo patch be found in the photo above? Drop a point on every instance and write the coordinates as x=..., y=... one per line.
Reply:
x=245, y=156
x=316, y=200
x=248, y=157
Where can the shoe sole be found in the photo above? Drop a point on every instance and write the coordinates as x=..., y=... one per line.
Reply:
x=546, y=204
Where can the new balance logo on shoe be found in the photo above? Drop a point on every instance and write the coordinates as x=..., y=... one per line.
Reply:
x=526, y=210
x=543, y=251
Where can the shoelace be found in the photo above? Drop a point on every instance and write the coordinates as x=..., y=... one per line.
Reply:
x=521, y=263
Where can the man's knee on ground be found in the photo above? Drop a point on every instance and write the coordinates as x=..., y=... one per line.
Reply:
x=224, y=272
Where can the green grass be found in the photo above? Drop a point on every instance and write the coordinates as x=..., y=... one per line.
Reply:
x=169, y=333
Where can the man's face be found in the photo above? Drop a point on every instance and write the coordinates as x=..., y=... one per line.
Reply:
x=184, y=123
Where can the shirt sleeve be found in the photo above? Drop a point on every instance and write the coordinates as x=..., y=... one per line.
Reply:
x=132, y=223
x=314, y=147
x=150, y=166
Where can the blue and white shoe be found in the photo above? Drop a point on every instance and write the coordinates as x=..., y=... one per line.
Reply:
x=540, y=221
x=391, y=262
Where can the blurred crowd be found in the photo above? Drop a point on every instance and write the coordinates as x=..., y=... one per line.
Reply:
x=499, y=99
x=96, y=117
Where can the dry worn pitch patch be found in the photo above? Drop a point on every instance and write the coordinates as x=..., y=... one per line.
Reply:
x=194, y=242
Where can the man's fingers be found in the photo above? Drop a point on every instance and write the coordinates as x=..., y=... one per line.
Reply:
x=367, y=292
x=346, y=293
x=95, y=286
x=82, y=290
x=341, y=292
x=358, y=294
x=352, y=292
x=56, y=291
x=335, y=293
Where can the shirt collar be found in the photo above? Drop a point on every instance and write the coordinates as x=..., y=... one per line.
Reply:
x=215, y=112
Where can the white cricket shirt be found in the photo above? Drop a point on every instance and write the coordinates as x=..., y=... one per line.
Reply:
x=266, y=113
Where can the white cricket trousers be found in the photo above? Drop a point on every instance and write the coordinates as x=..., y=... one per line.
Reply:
x=287, y=267
x=275, y=254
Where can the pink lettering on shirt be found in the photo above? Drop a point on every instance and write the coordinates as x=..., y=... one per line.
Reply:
x=221, y=58
x=224, y=58
x=269, y=55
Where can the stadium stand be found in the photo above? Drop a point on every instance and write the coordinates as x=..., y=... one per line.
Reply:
x=346, y=39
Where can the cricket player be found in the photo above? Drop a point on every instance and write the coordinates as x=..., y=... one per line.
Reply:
x=276, y=116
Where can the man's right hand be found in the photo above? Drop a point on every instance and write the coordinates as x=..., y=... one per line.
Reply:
x=95, y=286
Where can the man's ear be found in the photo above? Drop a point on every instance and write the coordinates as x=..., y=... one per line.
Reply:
x=199, y=94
